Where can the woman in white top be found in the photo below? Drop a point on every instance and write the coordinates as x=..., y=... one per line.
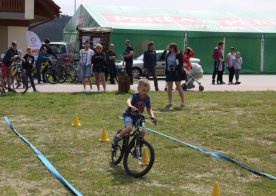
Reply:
x=231, y=56
x=85, y=62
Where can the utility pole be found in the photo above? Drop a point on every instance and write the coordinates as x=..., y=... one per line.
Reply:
x=75, y=4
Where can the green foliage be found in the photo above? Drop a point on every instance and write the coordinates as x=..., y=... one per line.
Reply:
x=240, y=125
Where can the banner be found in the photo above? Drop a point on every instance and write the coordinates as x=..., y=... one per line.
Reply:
x=33, y=42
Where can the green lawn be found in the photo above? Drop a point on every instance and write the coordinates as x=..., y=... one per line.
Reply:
x=240, y=125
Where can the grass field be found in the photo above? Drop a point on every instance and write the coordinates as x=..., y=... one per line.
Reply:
x=240, y=125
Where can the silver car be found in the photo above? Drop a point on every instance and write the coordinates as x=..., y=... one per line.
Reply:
x=138, y=65
x=63, y=50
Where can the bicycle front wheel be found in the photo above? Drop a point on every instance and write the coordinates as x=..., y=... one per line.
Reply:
x=51, y=76
x=116, y=155
x=137, y=164
x=20, y=82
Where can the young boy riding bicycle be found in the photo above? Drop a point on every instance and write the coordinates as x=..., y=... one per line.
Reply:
x=136, y=103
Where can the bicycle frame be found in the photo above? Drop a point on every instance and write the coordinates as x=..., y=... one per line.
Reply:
x=136, y=135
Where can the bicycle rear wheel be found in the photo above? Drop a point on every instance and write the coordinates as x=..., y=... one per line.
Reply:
x=138, y=165
x=51, y=76
x=20, y=82
x=71, y=73
x=62, y=74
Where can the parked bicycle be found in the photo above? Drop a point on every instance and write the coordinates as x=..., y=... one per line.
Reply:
x=138, y=154
x=73, y=71
x=54, y=72
x=19, y=79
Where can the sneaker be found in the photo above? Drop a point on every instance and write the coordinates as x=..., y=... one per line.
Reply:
x=213, y=81
x=222, y=82
x=115, y=141
x=182, y=105
x=168, y=106
x=237, y=82
x=136, y=153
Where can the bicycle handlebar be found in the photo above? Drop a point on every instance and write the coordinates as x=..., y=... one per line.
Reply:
x=142, y=117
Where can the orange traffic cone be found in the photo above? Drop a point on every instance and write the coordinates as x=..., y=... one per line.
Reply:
x=145, y=157
x=104, y=137
x=76, y=121
x=216, y=191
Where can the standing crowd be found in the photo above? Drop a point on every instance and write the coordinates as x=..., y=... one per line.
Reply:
x=233, y=63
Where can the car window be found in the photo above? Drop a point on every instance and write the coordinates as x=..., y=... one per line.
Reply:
x=58, y=48
x=158, y=55
x=141, y=57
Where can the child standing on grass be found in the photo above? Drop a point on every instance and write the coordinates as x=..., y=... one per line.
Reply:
x=28, y=66
x=237, y=67
x=136, y=102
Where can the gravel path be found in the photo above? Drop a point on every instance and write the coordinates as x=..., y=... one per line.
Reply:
x=248, y=83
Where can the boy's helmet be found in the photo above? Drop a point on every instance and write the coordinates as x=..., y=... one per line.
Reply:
x=47, y=41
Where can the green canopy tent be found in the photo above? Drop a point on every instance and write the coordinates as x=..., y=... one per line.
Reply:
x=251, y=34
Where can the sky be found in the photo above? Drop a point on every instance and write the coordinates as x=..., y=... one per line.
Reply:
x=207, y=5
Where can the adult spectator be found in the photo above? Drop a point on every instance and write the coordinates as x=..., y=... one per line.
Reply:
x=188, y=53
x=49, y=51
x=230, y=64
x=99, y=66
x=85, y=61
x=218, y=59
x=174, y=69
x=128, y=58
x=150, y=64
x=10, y=55
x=110, y=62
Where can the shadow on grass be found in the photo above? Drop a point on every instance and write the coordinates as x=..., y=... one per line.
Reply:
x=173, y=109
x=120, y=176
x=87, y=93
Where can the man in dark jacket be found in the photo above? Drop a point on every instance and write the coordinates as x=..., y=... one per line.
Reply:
x=10, y=55
x=49, y=51
x=128, y=58
x=48, y=48
x=150, y=64
x=110, y=62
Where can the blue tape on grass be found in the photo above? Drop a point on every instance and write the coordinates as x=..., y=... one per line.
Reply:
x=45, y=161
x=214, y=154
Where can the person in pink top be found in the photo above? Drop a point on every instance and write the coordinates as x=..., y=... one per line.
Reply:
x=217, y=56
x=188, y=53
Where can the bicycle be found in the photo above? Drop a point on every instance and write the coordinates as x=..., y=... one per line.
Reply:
x=52, y=74
x=138, y=154
x=72, y=71
x=19, y=79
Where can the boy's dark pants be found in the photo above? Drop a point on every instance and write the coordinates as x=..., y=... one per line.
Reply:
x=30, y=75
x=231, y=73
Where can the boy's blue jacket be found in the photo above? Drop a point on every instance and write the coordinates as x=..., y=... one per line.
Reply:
x=41, y=58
